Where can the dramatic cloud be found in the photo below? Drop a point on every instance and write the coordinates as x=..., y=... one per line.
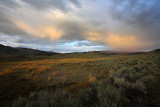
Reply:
x=130, y=24
x=9, y=3
x=40, y=31
x=77, y=24
x=53, y=4
x=128, y=42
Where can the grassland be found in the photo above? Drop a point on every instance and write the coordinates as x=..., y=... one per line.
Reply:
x=81, y=79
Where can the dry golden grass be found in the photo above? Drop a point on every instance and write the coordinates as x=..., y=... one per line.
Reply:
x=72, y=74
x=110, y=71
x=6, y=71
x=35, y=78
x=28, y=68
x=78, y=86
x=40, y=66
x=64, y=79
x=49, y=78
x=28, y=76
x=91, y=78
x=55, y=73
x=56, y=61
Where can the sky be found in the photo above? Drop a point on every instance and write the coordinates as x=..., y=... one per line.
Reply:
x=80, y=25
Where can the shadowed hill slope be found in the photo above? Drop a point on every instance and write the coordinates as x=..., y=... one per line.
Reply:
x=7, y=50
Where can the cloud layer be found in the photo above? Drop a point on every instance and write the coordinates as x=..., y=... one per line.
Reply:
x=102, y=24
x=53, y=4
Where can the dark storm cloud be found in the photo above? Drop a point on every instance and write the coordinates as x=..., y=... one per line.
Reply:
x=9, y=3
x=6, y=14
x=58, y=22
x=143, y=16
x=142, y=12
x=17, y=37
x=7, y=27
x=53, y=4
x=73, y=30
x=75, y=2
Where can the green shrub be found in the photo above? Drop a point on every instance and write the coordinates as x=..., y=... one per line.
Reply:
x=21, y=102
x=88, y=97
x=108, y=96
x=46, y=99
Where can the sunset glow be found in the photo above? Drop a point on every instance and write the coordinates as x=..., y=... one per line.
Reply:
x=111, y=24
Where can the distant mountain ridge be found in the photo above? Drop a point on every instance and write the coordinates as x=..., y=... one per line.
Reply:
x=112, y=52
x=7, y=50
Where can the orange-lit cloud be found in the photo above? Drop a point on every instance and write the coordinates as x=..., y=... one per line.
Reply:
x=94, y=36
x=128, y=42
x=125, y=42
x=104, y=22
x=41, y=31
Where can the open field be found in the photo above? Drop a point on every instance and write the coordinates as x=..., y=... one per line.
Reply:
x=103, y=80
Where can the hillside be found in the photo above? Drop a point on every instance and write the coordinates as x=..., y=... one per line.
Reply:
x=11, y=54
x=79, y=79
x=7, y=50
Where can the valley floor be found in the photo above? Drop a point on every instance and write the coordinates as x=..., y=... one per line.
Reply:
x=81, y=79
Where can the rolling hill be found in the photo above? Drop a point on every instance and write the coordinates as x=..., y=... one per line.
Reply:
x=7, y=50
x=33, y=78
